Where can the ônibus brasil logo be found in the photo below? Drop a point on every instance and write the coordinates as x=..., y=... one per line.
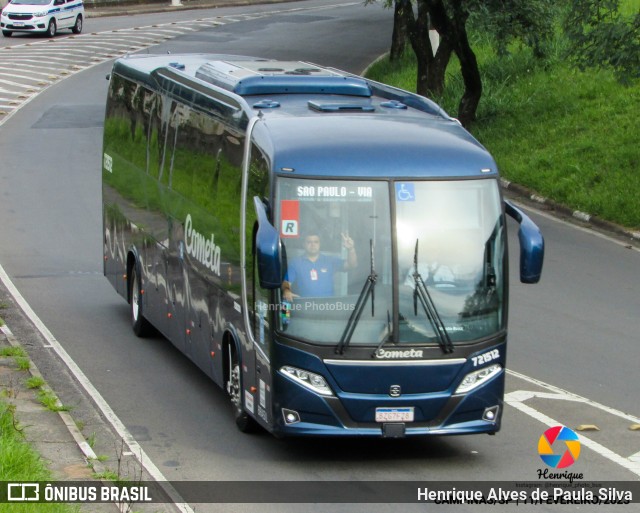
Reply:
x=559, y=447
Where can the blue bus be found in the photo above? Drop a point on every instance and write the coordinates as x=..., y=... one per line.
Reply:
x=330, y=250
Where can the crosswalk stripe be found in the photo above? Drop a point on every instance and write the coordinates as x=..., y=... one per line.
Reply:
x=48, y=61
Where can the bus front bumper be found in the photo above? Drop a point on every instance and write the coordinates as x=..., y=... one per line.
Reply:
x=301, y=412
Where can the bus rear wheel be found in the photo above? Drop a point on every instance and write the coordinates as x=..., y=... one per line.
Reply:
x=244, y=422
x=140, y=325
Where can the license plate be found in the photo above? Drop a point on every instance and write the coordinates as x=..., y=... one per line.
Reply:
x=18, y=23
x=394, y=414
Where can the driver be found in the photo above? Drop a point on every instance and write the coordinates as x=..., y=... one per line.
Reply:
x=311, y=275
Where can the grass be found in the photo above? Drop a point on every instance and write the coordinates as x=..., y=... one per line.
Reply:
x=35, y=382
x=23, y=362
x=19, y=355
x=571, y=136
x=50, y=400
x=15, y=351
x=20, y=462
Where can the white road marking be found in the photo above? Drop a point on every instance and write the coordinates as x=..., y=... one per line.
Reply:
x=574, y=397
x=517, y=398
x=82, y=379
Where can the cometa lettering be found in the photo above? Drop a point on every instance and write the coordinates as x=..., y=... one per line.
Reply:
x=203, y=249
x=409, y=353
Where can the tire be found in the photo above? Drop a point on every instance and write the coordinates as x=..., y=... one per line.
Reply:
x=7, y=33
x=244, y=421
x=52, y=28
x=77, y=28
x=141, y=327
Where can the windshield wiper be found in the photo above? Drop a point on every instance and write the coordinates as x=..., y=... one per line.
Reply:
x=421, y=292
x=386, y=337
x=367, y=290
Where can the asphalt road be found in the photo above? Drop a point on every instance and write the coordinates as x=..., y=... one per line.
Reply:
x=576, y=330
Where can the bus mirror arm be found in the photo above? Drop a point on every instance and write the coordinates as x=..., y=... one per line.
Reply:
x=267, y=249
x=531, y=245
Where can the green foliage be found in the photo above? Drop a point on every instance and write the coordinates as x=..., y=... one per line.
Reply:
x=35, y=382
x=12, y=351
x=506, y=21
x=20, y=462
x=23, y=363
x=603, y=36
x=107, y=475
x=50, y=401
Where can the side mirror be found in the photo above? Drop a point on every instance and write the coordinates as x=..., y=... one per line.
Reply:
x=531, y=245
x=267, y=249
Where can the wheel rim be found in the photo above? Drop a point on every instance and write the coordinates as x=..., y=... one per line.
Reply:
x=135, y=299
x=52, y=28
x=79, y=24
x=233, y=386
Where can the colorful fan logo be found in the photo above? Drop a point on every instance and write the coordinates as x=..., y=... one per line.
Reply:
x=567, y=447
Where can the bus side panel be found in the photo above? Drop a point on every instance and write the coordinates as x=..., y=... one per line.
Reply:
x=172, y=197
x=200, y=179
x=125, y=184
x=155, y=288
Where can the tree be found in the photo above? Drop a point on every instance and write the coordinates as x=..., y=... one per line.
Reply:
x=399, y=36
x=449, y=20
x=509, y=19
x=600, y=36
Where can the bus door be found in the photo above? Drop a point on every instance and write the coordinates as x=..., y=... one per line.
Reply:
x=259, y=303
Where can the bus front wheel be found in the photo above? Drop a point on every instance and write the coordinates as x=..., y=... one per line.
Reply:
x=234, y=388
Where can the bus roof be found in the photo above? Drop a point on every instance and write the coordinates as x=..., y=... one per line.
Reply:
x=365, y=128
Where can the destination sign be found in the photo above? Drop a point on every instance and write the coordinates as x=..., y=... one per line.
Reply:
x=335, y=192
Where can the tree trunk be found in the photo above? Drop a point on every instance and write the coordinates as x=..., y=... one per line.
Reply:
x=438, y=68
x=399, y=36
x=438, y=20
x=468, y=67
x=418, y=29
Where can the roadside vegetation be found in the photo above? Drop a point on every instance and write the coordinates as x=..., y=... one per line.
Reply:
x=20, y=462
x=568, y=134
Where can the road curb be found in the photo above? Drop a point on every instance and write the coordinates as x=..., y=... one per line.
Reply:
x=89, y=457
x=567, y=212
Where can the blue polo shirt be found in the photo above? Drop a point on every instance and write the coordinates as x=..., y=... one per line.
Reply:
x=313, y=279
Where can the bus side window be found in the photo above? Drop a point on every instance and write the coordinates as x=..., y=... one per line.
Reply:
x=258, y=299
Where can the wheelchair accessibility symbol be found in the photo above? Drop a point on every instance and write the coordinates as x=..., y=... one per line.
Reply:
x=405, y=192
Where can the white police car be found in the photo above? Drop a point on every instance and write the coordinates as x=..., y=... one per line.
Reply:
x=47, y=16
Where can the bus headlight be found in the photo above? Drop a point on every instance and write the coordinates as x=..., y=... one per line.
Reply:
x=476, y=378
x=307, y=379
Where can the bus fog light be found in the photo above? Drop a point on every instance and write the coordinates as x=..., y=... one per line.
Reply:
x=491, y=414
x=476, y=378
x=290, y=416
x=307, y=379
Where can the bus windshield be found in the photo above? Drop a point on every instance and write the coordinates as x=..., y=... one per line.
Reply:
x=371, y=246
